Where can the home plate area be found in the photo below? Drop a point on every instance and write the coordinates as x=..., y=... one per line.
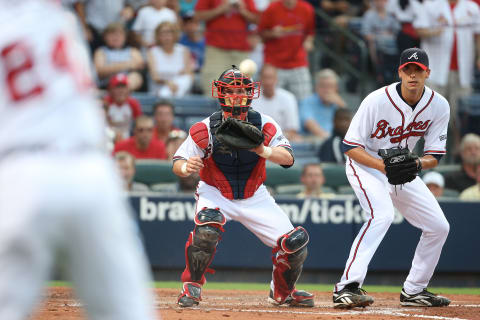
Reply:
x=236, y=304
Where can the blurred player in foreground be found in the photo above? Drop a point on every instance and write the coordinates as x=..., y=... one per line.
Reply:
x=58, y=189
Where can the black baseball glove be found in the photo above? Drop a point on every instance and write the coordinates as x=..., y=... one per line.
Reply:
x=239, y=134
x=401, y=165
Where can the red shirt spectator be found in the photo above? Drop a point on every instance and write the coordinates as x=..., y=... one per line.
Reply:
x=142, y=145
x=228, y=30
x=290, y=27
x=121, y=108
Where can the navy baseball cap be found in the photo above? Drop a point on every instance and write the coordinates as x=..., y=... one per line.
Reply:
x=414, y=55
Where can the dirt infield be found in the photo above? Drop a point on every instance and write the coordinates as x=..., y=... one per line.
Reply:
x=222, y=304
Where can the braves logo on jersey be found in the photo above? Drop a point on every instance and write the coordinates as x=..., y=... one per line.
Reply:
x=399, y=133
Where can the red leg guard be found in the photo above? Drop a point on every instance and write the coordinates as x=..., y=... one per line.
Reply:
x=282, y=288
x=186, y=275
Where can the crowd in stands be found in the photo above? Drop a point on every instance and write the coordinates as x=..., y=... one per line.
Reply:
x=163, y=51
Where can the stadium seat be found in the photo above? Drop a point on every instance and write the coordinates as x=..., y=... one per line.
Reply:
x=334, y=175
x=450, y=193
x=146, y=101
x=154, y=171
x=444, y=169
x=277, y=175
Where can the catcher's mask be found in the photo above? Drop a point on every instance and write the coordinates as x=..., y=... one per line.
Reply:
x=235, y=91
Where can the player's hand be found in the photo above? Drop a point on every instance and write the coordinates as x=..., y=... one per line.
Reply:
x=194, y=164
x=258, y=150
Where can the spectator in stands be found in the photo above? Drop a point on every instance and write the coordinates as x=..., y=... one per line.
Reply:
x=114, y=57
x=449, y=33
x=406, y=12
x=313, y=180
x=331, y=149
x=470, y=155
x=96, y=15
x=473, y=193
x=435, y=182
x=278, y=103
x=142, y=145
x=380, y=31
x=164, y=114
x=110, y=135
x=288, y=28
x=317, y=110
x=226, y=23
x=126, y=165
x=122, y=108
x=169, y=63
x=148, y=18
x=174, y=140
x=194, y=39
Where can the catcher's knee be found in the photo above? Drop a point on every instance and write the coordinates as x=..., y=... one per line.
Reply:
x=293, y=240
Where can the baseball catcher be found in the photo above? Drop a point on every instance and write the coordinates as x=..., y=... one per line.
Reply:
x=401, y=165
x=229, y=150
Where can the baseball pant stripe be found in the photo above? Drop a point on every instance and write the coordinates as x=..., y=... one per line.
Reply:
x=369, y=221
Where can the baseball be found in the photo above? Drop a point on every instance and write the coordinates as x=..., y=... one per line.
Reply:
x=248, y=67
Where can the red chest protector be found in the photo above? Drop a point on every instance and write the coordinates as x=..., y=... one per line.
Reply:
x=237, y=174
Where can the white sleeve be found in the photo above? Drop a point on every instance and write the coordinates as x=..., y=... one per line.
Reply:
x=422, y=16
x=292, y=113
x=436, y=135
x=279, y=139
x=188, y=149
x=138, y=23
x=362, y=122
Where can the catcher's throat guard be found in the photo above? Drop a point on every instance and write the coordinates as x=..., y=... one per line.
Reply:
x=235, y=91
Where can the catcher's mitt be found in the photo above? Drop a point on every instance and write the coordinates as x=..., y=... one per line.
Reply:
x=400, y=164
x=239, y=134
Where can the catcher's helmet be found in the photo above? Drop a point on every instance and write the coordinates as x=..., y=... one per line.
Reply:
x=226, y=90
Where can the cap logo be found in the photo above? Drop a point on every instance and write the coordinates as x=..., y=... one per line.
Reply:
x=414, y=55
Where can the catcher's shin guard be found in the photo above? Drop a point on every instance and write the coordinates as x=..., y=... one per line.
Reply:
x=201, y=244
x=291, y=252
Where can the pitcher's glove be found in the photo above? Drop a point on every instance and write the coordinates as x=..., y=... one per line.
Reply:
x=239, y=134
x=401, y=165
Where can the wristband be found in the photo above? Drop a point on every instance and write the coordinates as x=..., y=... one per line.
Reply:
x=267, y=152
x=184, y=168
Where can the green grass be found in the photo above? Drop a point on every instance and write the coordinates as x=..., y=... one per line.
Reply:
x=306, y=286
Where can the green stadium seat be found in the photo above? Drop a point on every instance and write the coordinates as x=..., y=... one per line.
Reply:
x=277, y=175
x=154, y=171
x=334, y=175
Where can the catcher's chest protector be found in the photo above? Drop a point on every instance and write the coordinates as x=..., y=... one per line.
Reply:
x=236, y=166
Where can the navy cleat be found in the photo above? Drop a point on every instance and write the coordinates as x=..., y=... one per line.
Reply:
x=423, y=299
x=351, y=296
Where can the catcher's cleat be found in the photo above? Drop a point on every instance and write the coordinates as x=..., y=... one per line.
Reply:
x=298, y=298
x=423, y=299
x=351, y=296
x=190, y=295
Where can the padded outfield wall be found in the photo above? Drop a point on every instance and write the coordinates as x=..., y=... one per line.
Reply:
x=333, y=224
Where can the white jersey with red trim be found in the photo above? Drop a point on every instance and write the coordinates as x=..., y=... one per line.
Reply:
x=384, y=120
x=45, y=80
x=190, y=149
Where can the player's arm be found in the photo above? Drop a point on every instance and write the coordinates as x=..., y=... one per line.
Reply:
x=278, y=155
x=184, y=168
x=361, y=156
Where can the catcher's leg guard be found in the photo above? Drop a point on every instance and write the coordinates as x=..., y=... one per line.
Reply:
x=201, y=244
x=291, y=252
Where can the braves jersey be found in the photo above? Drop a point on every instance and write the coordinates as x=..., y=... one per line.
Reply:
x=44, y=80
x=384, y=120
